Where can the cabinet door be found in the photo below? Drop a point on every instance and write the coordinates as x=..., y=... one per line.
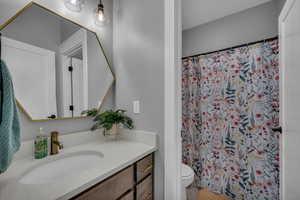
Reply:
x=144, y=167
x=144, y=190
x=111, y=189
x=129, y=196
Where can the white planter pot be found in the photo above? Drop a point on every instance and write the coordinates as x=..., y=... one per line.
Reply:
x=112, y=133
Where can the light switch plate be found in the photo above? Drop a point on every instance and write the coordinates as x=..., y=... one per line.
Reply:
x=136, y=107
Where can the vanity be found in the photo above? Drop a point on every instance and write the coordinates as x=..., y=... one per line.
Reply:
x=90, y=167
x=133, y=183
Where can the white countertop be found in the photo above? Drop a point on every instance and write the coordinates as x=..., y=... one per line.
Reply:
x=118, y=155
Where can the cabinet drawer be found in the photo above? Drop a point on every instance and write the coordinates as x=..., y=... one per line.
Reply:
x=144, y=167
x=112, y=188
x=129, y=196
x=144, y=190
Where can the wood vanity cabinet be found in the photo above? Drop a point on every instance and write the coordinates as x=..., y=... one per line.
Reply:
x=144, y=190
x=133, y=183
x=129, y=196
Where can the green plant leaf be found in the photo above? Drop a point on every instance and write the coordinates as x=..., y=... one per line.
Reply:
x=108, y=118
x=90, y=113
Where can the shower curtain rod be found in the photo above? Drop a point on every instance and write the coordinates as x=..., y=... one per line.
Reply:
x=234, y=47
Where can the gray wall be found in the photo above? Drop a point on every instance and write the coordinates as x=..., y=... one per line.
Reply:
x=35, y=27
x=9, y=7
x=247, y=26
x=67, y=29
x=280, y=4
x=99, y=78
x=139, y=65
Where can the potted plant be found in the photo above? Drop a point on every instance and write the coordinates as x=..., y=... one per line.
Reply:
x=109, y=120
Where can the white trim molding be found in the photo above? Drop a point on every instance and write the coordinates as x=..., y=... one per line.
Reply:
x=286, y=132
x=172, y=133
x=76, y=41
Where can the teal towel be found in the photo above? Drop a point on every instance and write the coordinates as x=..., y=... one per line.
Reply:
x=10, y=126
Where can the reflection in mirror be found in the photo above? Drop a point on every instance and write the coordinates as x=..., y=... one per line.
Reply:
x=58, y=67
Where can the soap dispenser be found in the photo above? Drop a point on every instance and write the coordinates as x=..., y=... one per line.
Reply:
x=41, y=145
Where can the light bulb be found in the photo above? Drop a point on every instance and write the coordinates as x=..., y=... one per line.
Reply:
x=74, y=5
x=101, y=17
x=73, y=2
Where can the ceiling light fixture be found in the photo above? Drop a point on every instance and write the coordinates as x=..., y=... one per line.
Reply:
x=74, y=5
x=100, y=18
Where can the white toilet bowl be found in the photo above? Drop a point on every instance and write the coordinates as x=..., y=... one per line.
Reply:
x=187, y=178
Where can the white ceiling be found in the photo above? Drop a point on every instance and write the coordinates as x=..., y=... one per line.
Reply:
x=196, y=12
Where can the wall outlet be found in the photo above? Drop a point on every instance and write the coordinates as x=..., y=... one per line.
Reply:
x=136, y=107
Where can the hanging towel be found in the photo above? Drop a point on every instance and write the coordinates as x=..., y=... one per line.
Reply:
x=9, y=124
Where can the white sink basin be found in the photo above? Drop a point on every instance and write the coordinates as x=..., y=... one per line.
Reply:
x=58, y=167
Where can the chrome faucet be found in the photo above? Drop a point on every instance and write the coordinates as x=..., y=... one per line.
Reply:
x=55, y=144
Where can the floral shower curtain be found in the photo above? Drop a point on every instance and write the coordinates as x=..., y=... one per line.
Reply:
x=230, y=103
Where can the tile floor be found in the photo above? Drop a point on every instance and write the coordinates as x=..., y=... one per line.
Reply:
x=192, y=193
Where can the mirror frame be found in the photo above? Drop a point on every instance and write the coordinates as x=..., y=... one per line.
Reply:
x=32, y=3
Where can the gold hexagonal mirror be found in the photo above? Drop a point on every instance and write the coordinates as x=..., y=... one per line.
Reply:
x=58, y=67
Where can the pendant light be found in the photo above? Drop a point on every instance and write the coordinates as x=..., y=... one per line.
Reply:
x=74, y=5
x=100, y=18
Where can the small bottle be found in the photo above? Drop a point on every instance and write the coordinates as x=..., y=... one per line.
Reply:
x=41, y=145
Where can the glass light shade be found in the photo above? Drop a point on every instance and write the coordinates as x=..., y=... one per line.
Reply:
x=74, y=5
x=100, y=18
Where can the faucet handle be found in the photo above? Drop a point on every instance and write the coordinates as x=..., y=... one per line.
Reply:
x=61, y=145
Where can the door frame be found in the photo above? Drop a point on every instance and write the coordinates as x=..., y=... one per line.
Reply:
x=74, y=42
x=172, y=131
x=283, y=15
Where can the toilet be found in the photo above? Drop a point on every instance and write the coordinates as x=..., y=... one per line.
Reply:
x=187, y=178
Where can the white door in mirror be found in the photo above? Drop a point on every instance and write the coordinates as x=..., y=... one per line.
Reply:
x=33, y=72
